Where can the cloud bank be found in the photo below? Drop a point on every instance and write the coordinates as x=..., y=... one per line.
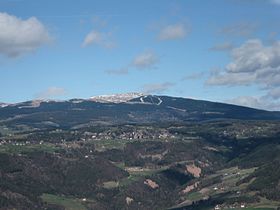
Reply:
x=253, y=63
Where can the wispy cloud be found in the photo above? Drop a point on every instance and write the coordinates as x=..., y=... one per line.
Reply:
x=98, y=21
x=194, y=76
x=98, y=38
x=277, y=2
x=51, y=93
x=157, y=87
x=94, y=37
x=242, y=29
x=145, y=60
x=226, y=46
x=173, y=32
x=121, y=71
x=19, y=37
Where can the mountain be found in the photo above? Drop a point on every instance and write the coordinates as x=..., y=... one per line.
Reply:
x=119, y=109
x=136, y=151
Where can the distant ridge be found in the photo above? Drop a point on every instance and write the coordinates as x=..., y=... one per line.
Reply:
x=135, y=108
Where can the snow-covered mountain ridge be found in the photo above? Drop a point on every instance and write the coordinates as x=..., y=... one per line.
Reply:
x=116, y=98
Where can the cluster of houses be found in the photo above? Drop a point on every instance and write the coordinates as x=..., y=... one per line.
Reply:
x=16, y=143
x=248, y=131
x=130, y=135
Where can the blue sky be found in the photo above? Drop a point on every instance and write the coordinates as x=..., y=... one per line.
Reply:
x=219, y=50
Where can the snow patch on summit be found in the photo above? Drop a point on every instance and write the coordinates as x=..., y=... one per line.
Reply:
x=116, y=98
x=2, y=105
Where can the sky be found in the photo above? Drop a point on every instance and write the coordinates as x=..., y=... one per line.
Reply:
x=218, y=50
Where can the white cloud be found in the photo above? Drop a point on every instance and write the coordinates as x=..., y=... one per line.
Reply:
x=98, y=38
x=157, y=87
x=51, y=92
x=232, y=79
x=146, y=60
x=256, y=102
x=94, y=37
x=18, y=37
x=253, y=56
x=172, y=32
x=252, y=63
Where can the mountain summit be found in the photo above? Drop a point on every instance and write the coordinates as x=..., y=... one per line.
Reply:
x=116, y=98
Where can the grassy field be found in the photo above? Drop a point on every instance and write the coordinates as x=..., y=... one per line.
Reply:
x=67, y=203
x=107, y=144
x=120, y=165
x=267, y=204
x=110, y=184
x=194, y=196
x=135, y=175
x=130, y=179
x=5, y=130
x=16, y=149
x=16, y=131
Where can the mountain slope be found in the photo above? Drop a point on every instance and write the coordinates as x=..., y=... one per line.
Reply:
x=144, y=109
